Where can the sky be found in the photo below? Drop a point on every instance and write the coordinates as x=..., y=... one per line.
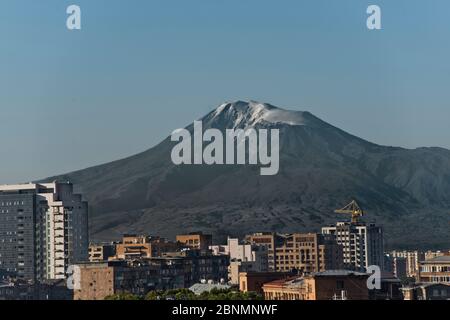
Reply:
x=139, y=69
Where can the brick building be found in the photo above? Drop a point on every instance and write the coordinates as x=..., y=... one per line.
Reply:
x=170, y=271
x=327, y=285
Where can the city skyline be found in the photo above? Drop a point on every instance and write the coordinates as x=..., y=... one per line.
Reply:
x=386, y=86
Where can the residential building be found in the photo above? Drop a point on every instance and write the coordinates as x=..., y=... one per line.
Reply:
x=270, y=240
x=101, y=252
x=45, y=290
x=139, y=276
x=199, y=265
x=391, y=288
x=435, y=270
x=243, y=258
x=362, y=244
x=300, y=252
x=196, y=240
x=308, y=252
x=101, y=279
x=240, y=252
x=254, y=281
x=327, y=285
x=427, y=291
x=412, y=261
x=43, y=230
x=397, y=266
x=138, y=247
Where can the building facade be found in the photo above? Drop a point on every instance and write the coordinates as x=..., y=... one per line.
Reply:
x=397, y=266
x=435, y=270
x=101, y=252
x=138, y=247
x=172, y=271
x=301, y=252
x=412, y=261
x=243, y=258
x=43, y=230
x=327, y=285
x=254, y=281
x=269, y=240
x=362, y=244
x=195, y=240
x=100, y=280
x=427, y=291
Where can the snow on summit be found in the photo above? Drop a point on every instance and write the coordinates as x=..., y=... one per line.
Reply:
x=254, y=112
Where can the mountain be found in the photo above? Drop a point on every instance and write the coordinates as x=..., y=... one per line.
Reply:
x=321, y=169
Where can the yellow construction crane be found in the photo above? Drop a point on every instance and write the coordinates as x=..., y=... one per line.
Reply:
x=352, y=208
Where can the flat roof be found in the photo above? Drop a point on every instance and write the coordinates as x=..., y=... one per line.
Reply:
x=339, y=273
x=438, y=259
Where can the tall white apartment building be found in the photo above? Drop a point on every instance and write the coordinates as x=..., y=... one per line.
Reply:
x=362, y=244
x=43, y=230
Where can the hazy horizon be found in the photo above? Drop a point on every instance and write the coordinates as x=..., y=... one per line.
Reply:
x=137, y=71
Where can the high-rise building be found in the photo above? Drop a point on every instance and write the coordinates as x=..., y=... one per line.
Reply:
x=362, y=244
x=43, y=230
x=303, y=252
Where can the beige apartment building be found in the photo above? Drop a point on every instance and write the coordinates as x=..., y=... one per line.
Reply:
x=138, y=247
x=196, y=240
x=302, y=252
x=435, y=270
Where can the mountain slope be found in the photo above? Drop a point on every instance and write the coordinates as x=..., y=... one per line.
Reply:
x=321, y=169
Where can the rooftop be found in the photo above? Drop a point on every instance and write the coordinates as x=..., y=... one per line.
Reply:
x=199, y=288
x=439, y=259
x=338, y=273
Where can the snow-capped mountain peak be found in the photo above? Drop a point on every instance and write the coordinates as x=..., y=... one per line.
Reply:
x=248, y=114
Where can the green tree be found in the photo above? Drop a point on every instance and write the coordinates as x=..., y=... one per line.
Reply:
x=123, y=296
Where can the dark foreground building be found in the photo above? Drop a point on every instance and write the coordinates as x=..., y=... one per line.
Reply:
x=172, y=271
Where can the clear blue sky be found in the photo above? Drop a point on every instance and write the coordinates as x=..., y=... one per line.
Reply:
x=139, y=69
